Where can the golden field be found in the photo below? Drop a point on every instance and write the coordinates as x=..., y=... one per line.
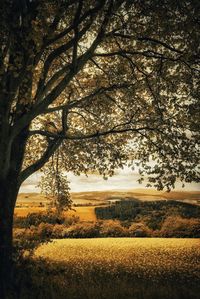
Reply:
x=147, y=258
x=114, y=268
x=87, y=201
x=84, y=213
x=96, y=197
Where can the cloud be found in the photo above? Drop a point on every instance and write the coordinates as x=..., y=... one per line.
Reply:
x=123, y=179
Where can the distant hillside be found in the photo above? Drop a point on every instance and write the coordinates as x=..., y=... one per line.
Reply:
x=153, y=213
x=97, y=197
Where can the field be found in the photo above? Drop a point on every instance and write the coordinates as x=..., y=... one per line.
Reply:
x=86, y=213
x=148, y=257
x=122, y=268
x=96, y=197
x=85, y=202
x=110, y=268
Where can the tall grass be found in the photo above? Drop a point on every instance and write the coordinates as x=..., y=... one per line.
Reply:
x=113, y=268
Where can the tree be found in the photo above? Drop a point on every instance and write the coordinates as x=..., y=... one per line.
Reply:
x=105, y=82
x=55, y=185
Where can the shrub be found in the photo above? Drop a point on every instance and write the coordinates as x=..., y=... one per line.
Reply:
x=83, y=230
x=48, y=217
x=27, y=240
x=58, y=231
x=176, y=226
x=139, y=230
x=113, y=228
x=70, y=220
x=45, y=230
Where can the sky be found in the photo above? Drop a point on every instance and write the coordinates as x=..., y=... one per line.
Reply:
x=125, y=179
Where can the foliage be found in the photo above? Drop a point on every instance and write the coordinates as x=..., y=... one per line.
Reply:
x=83, y=230
x=98, y=84
x=180, y=227
x=112, y=228
x=103, y=82
x=37, y=228
x=153, y=213
x=55, y=184
x=139, y=230
x=36, y=218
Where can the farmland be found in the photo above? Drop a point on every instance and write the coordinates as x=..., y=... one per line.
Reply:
x=85, y=202
x=109, y=268
x=85, y=213
x=149, y=258
x=118, y=268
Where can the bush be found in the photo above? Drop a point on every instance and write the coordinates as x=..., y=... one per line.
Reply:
x=69, y=220
x=83, y=230
x=139, y=230
x=45, y=230
x=180, y=227
x=59, y=231
x=48, y=217
x=37, y=218
x=27, y=240
x=113, y=228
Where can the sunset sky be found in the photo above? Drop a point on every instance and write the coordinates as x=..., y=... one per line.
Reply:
x=123, y=179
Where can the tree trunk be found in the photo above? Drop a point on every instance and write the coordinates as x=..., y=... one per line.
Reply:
x=8, y=195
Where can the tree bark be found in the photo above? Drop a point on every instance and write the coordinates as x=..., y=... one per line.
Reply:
x=8, y=195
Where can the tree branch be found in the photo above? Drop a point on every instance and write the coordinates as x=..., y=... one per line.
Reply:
x=57, y=90
x=90, y=13
x=114, y=130
x=53, y=146
x=87, y=99
x=156, y=41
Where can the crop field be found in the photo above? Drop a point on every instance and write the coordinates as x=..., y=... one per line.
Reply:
x=34, y=202
x=124, y=268
x=149, y=257
x=96, y=197
x=23, y=212
x=84, y=213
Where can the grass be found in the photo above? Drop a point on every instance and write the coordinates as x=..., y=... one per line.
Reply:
x=124, y=268
x=149, y=258
x=84, y=213
x=23, y=212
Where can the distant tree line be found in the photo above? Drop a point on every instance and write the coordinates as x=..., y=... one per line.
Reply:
x=153, y=213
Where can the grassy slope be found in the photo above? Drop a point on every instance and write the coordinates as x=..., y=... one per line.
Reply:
x=84, y=213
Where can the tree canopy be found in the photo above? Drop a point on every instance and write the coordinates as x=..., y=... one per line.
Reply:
x=99, y=84
x=90, y=85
